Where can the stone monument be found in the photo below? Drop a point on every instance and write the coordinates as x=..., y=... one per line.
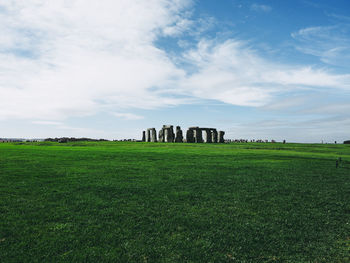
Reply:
x=190, y=136
x=214, y=136
x=148, y=135
x=178, y=136
x=161, y=135
x=221, y=136
x=193, y=135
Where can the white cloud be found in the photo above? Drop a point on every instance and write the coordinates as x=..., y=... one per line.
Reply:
x=338, y=108
x=260, y=8
x=291, y=102
x=233, y=73
x=330, y=43
x=87, y=55
x=84, y=57
x=177, y=29
x=128, y=116
x=340, y=17
x=54, y=123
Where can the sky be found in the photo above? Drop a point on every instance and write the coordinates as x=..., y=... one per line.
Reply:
x=260, y=69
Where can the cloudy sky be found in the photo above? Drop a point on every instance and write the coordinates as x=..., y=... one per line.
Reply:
x=266, y=69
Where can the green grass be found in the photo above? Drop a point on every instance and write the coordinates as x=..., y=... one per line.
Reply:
x=154, y=202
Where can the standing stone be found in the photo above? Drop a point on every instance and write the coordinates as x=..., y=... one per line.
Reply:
x=172, y=135
x=179, y=137
x=189, y=136
x=143, y=136
x=161, y=135
x=166, y=135
x=169, y=135
x=221, y=136
x=214, y=136
x=148, y=135
x=208, y=138
x=153, y=135
x=198, y=135
x=172, y=138
x=195, y=135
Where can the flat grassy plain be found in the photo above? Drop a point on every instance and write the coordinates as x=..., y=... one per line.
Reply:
x=159, y=202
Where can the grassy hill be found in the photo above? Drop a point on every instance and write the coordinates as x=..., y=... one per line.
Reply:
x=158, y=202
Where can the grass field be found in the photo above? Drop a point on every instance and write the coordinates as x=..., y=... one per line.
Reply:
x=157, y=202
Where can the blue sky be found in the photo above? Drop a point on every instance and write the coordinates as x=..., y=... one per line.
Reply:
x=110, y=69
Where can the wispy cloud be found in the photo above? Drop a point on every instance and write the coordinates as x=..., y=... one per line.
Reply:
x=339, y=17
x=128, y=116
x=330, y=43
x=78, y=58
x=260, y=8
x=54, y=123
x=233, y=73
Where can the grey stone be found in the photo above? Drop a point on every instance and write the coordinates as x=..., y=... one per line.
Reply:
x=148, y=135
x=179, y=136
x=143, y=136
x=221, y=136
x=190, y=136
x=153, y=135
x=166, y=136
x=214, y=136
x=161, y=135
x=198, y=135
x=208, y=137
x=169, y=135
